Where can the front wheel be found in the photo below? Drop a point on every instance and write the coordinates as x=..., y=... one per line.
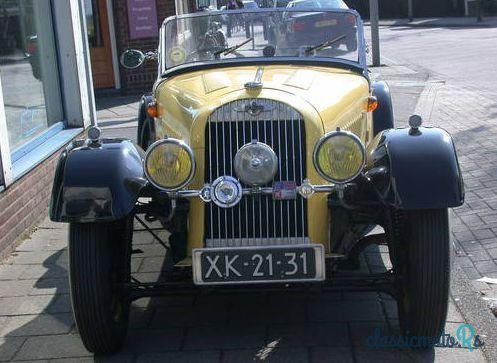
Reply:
x=99, y=265
x=423, y=257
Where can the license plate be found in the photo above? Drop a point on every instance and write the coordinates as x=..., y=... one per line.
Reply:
x=323, y=23
x=258, y=264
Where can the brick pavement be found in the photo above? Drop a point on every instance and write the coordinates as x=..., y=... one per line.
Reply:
x=471, y=118
x=36, y=323
x=117, y=115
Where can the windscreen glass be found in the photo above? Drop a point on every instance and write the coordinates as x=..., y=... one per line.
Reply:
x=213, y=36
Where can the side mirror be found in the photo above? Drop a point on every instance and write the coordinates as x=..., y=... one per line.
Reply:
x=132, y=58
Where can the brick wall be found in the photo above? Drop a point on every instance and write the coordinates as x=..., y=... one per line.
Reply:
x=24, y=204
x=141, y=79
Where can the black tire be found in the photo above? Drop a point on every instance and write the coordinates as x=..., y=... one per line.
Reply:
x=424, y=259
x=143, y=120
x=351, y=44
x=99, y=263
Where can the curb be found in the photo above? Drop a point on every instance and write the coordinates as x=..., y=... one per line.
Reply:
x=123, y=122
x=426, y=101
x=474, y=311
x=407, y=24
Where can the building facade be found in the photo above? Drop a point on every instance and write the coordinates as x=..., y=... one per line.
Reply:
x=117, y=25
x=46, y=99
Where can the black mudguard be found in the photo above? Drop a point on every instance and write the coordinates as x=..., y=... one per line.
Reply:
x=416, y=169
x=383, y=115
x=143, y=118
x=97, y=182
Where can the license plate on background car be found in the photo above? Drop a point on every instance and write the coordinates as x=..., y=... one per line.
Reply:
x=323, y=23
x=258, y=264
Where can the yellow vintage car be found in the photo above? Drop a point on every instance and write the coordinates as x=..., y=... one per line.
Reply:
x=269, y=157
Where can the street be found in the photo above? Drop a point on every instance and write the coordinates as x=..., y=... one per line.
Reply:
x=461, y=56
x=458, y=72
x=447, y=75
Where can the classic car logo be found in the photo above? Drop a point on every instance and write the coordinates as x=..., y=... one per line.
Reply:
x=254, y=108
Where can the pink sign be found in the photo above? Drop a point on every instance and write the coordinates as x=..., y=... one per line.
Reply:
x=142, y=16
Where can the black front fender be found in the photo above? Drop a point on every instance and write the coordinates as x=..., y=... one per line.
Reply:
x=383, y=115
x=99, y=182
x=420, y=168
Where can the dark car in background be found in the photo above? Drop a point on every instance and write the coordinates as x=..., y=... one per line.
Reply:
x=314, y=26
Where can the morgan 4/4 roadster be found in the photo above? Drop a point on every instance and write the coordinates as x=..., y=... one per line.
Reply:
x=269, y=157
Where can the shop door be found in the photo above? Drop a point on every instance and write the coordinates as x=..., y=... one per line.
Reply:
x=97, y=23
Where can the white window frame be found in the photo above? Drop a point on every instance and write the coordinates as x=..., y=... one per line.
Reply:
x=76, y=88
x=5, y=163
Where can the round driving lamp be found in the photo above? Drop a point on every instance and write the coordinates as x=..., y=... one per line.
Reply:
x=169, y=164
x=339, y=156
x=256, y=163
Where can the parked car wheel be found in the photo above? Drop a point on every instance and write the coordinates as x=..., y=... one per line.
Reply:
x=99, y=264
x=425, y=257
x=351, y=44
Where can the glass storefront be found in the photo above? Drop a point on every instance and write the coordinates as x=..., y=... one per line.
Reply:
x=28, y=70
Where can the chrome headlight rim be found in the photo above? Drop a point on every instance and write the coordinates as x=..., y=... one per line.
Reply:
x=325, y=138
x=237, y=187
x=179, y=143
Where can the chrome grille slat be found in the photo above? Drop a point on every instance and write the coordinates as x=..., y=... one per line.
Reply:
x=252, y=241
x=283, y=129
x=294, y=175
x=210, y=178
x=301, y=155
x=281, y=161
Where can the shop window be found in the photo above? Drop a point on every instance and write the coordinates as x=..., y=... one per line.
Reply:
x=29, y=73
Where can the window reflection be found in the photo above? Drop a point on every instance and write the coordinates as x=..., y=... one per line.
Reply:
x=28, y=66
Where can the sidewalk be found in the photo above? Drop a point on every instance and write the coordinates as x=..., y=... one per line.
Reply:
x=446, y=22
x=118, y=115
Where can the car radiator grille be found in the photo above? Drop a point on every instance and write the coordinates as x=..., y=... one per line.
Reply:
x=257, y=219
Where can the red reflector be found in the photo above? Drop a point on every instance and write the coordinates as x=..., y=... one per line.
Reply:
x=298, y=26
x=350, y=19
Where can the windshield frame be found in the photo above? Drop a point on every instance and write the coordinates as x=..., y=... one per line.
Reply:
x=359, y=66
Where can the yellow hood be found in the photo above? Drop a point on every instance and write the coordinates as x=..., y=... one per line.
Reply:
x=330, y=97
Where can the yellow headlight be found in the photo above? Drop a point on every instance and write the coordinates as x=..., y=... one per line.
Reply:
x=169, y=164
x=339, y=156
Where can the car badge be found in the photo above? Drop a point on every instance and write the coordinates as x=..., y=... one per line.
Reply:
x=284, y=190
x=254, y=108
